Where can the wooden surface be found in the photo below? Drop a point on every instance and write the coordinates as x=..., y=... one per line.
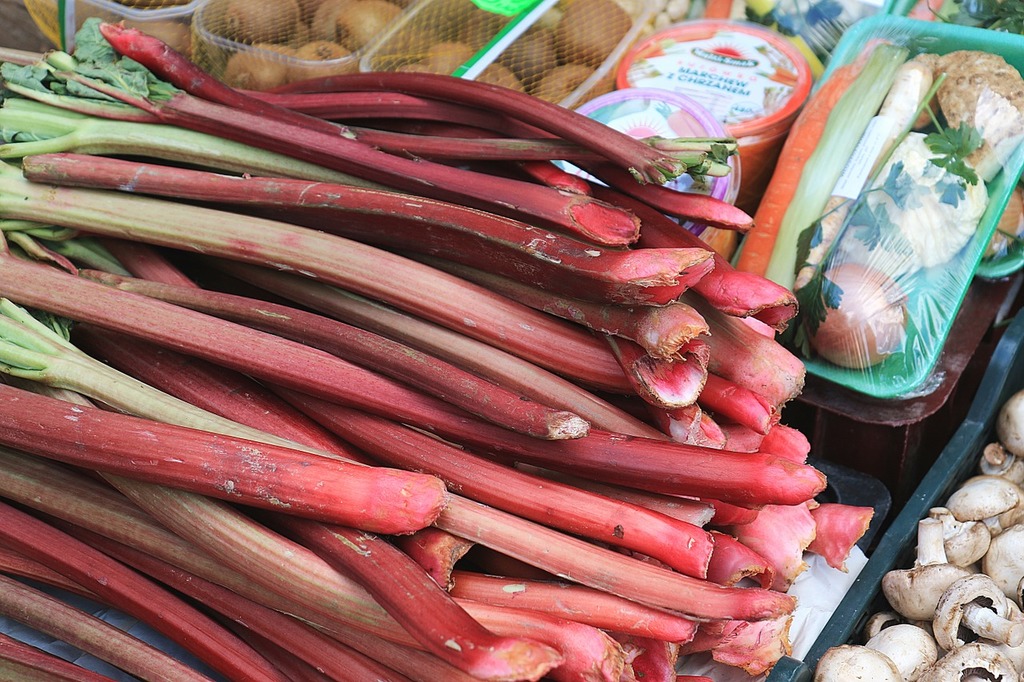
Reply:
x=17, y=30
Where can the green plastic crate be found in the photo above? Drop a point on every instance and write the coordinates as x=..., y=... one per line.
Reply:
x=958, y=460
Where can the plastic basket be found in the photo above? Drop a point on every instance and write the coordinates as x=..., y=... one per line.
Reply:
x=958, y=460
x=168, y=20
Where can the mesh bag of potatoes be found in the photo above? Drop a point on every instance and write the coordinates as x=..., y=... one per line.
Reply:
x=260, y=45
x=561, y=51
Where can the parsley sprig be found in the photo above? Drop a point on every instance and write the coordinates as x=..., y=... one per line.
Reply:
x=951, y=147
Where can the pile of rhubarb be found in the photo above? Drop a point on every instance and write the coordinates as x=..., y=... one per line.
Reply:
x=350, y=382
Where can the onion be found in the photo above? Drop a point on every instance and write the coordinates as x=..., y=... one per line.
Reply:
x=870, y=323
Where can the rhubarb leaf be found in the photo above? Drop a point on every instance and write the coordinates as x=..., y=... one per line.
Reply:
x=32, y=76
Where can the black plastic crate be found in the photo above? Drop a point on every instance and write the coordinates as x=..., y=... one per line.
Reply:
x=957, y=461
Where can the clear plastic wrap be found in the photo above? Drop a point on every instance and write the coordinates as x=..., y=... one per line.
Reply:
x=882, y=273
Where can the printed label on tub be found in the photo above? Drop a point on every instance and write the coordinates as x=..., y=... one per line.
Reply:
x=734, y=75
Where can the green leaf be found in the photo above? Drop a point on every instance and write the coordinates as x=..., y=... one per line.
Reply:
x=32, y=77
x=951, y=191
x=900, y=187
x=951, y=146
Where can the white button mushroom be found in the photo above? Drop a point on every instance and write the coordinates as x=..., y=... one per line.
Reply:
x=988, y=499
x=974, y=607
x=996, y=460
x=1010, y=424
x=965, y=542
x=911, y=648
x=1004, y=561
x=850, y=662
x=982, y=660
x=914, y=592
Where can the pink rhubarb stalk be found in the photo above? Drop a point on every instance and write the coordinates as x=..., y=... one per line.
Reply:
x=732, y=402
x=573, y=602
x=53, y=617
x=732, y=291
x=422, y=607
x=732, y=561
x=20, y=661
x=780, y=534
x=667, y=384
x=786, y=441
x=390, y=358
x=662, y=330
x=498, y=365
x=408, y=223
x=261, y=475
x=116, y=585
x=305, y=139
x=838, y=528
x=436, y=551
x=683, y=546
x=364, y=269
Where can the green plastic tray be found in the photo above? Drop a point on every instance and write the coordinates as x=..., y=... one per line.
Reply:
x=906, y=374
x=958, y=460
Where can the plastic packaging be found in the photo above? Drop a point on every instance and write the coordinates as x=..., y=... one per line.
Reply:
x=749, y=77
x=168, y=20
x=646, y=112
x=879, y=300
x=562, y=51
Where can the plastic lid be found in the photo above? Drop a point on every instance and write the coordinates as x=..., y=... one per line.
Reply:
x=749, y=77
x=644, y=112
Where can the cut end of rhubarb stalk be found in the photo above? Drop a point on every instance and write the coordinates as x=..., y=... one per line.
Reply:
x=517, y=659
x=604, y=223
x=565, y=425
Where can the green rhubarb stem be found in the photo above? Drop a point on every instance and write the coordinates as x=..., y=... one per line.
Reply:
x=70, y=132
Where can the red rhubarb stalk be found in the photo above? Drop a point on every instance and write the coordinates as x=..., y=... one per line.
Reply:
x=646, y=163
x=732, y=291
x=582, y=604
x=742, y=438
x=53, y=617
x=403, y=222
x=661, y=329
x=786, y=441
x=421, y=606
x=436, y=551
x=261, y=475
x=654, y=660
x=307, y=140
x=609, y=571
x=755, y=647
x=20, y=661
x=667, y=384
x=732, y=561
x=683, y=546
x=390, y=358
x=780, y=534
x=552, y=176
x=334, y=260
x=235, y=346
x=218, y=390
x=469, y=353
x=733, y=402
x=660, y=466
x=684, y=509
x=838, y=528
x=690, y=425
x=115, y=584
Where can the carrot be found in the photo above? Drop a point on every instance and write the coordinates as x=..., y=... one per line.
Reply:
x=803, y=137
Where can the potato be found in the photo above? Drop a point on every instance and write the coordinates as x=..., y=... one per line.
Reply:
x=270, y=21
x=531, y=54
x=447, y=56
x=320, y=58
x=589, y=30
x=561, y=81
x=499, y=74
x=257, y=70
x=364, y=20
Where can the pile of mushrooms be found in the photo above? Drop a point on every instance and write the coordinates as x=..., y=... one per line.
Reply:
x=956, y=613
